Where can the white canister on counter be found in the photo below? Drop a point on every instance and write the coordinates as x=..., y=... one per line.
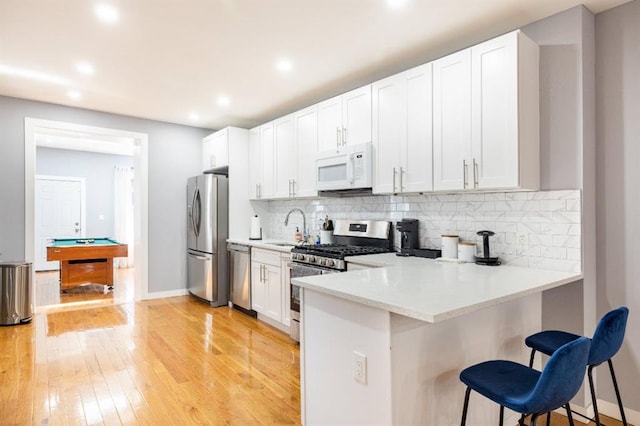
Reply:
x=467, y=251
x=450, y=246
x=326, y=237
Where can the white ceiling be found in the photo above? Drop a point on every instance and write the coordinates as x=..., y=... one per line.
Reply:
x=169, y=59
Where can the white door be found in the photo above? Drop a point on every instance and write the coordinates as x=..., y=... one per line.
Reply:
x=255, y=164
x=267, y=153
x=59, y=214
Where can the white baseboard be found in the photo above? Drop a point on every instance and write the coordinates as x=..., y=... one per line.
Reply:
x=163, y=294
x=611, y=409
x=273, y=323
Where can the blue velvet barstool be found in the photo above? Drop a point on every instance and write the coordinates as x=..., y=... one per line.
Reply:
x=526, y=390
x=605, y=343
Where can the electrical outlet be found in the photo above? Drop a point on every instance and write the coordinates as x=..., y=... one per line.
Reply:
x=359, y=367
x=522, y=241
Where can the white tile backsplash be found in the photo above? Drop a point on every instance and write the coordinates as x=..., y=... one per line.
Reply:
x=550, y=219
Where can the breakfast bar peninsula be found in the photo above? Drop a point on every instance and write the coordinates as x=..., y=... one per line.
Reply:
x=385, y=345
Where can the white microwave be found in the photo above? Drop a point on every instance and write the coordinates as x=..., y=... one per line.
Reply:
x=344, y=168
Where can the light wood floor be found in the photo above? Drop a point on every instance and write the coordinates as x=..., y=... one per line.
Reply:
x=48, y=294
x=169, y=361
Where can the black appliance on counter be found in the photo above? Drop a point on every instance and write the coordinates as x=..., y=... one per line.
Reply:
x=486, y=258
x=352, y=238
x=409, y=238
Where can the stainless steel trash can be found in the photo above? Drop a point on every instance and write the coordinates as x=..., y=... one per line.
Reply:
x=16, y=293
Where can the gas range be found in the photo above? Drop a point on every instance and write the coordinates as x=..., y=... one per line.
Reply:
x=353, y=238
x=331, y=255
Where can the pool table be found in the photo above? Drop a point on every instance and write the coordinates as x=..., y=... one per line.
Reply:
x=85, y=260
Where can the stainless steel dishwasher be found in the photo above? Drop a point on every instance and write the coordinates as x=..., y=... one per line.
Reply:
x=240, y=277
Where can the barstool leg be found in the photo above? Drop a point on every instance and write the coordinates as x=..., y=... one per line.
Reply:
x=533, y=354
x=569, y=415
x=464, y=408
x=615, y=386
x=501, y=415
x=534, y=418
x=593, y=395
x=548, y=419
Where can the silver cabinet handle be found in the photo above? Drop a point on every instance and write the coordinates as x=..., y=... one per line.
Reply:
x=344, y=136
x=394, y=179
x=338, y=137
x=401, y=180
x=259, y=190
x=464, y=174
x=293, y=187
x=475, y=173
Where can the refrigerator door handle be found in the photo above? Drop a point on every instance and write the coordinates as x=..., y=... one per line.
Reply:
x=198, y=213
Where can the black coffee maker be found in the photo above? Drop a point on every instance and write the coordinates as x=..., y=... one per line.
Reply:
x=409, y=239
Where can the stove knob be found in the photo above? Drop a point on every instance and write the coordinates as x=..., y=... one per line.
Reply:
x=322, y=262
x=311, y=259
x=330, y=262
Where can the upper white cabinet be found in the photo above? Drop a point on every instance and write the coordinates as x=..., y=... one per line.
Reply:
x=486, y=116
x=285, y=158
x=306, y=139
x=261, y=162
x=216, y=150
x=345, y=119
x=402, y=132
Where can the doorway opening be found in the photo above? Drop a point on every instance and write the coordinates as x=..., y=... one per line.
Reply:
x=90, y=139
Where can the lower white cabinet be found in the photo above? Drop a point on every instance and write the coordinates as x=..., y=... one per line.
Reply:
x=270, y=284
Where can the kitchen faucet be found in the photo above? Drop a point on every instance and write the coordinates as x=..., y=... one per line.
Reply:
x=304, y=221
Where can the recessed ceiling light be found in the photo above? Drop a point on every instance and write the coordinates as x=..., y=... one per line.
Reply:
x=223, y=100
x=32, y=75
x=397, y=4
x=84, y=67
x=74, y=94
x=194, y=117
x=107, y=13
x=284, y=65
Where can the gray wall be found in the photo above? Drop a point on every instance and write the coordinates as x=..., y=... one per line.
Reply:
x=618, y=177
x=98, y=170
x=174, y=155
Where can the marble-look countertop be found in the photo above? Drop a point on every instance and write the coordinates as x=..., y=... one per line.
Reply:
x=430, y=290
x=267, y=244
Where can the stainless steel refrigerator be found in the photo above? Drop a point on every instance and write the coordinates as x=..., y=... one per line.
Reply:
x=207, y=231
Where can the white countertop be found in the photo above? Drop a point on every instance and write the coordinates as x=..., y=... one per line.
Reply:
x=267, y=244
x=433, y=291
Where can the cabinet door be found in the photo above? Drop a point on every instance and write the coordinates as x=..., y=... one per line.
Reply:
x=286, y=291
x=220, y=149
x=267, y=160
x=258, y=288
x=389, y=120
x=495, y=113
x=207, y=152
x=255, y=164
x=416, y=155
x=330, y=123
x=306, y=140
x=274, y=292
x=356, y=116
x=285, y=157
x=452, y=121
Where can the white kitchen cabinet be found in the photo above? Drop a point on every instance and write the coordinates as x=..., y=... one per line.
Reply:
x=451, y=121
x=505, y=113
x=345, y=119
x=402, y=132
x=216, y=150
x=285, y=265
x=261, y=162
x=266, y=283
x=286, y=157
x=486, y=116
x=255, y=163
x=306, y=140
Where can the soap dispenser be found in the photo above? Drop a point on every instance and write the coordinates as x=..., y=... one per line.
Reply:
x=298, y=235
